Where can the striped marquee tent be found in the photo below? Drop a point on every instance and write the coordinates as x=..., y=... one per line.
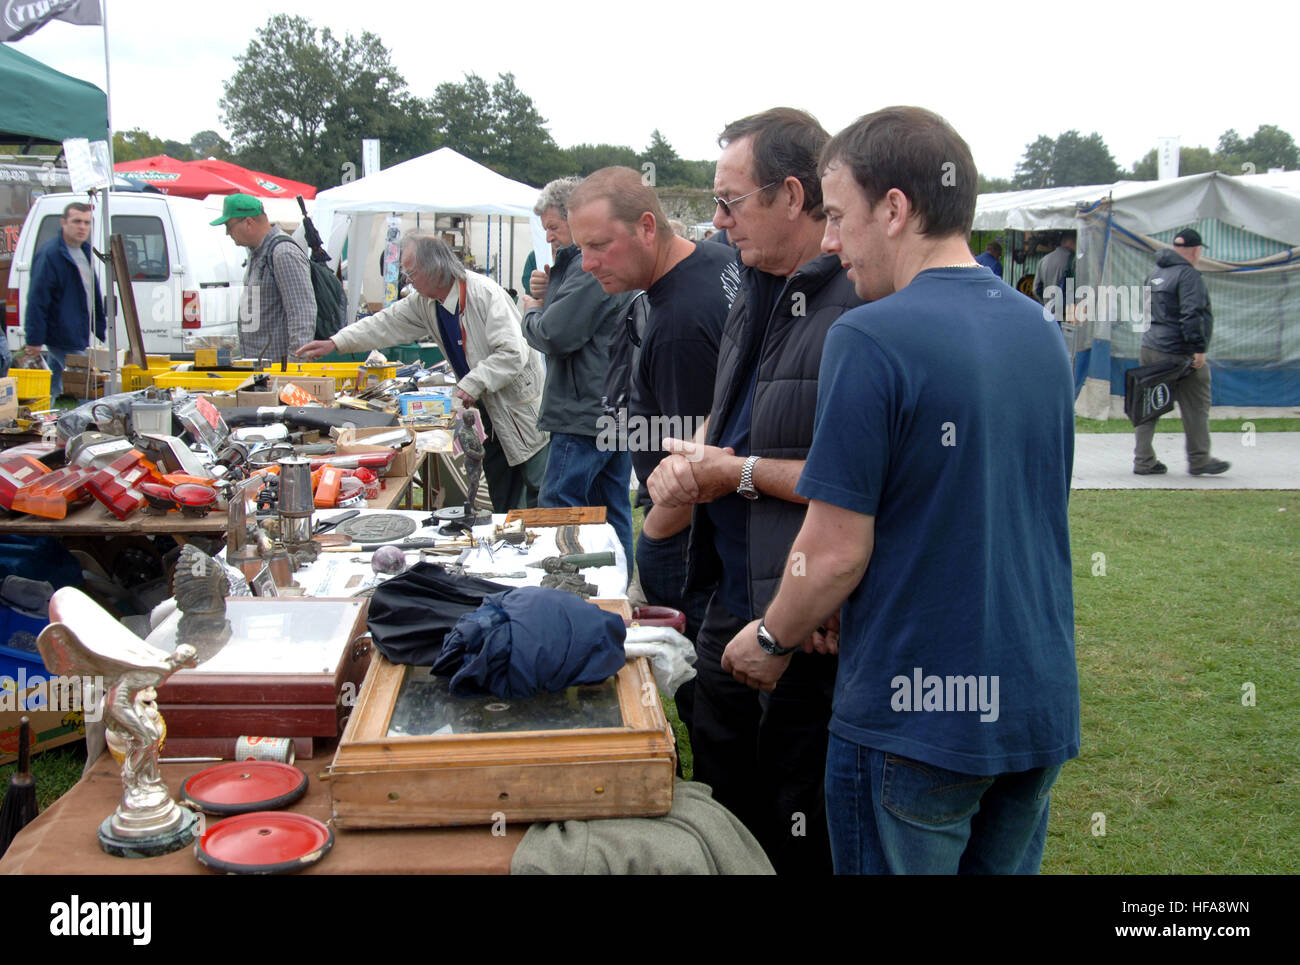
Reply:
x=1251, y=266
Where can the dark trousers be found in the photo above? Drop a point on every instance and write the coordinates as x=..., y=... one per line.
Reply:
x=512, y=487
x=764, y=755
x=661, y=566
x=1192, y=393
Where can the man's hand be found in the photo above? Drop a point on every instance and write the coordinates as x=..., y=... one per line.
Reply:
x=694, y=473
x=538, y=281
x=314, y=350
x=749, y=663
x=33, y=351
x=826, y=638
x=530, y=303
x=1198, y=360
x=466, y=399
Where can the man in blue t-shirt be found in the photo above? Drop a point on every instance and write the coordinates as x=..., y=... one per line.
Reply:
x=938, y=484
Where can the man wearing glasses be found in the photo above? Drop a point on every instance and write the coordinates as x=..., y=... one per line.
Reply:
x=764, y=758
x=626, y=243
x=279, y=312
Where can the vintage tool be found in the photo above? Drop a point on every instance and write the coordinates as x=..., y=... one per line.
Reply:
x=574, y=563
x=325, y=525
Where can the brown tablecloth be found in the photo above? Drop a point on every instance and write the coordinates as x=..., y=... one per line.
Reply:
x=63, y=841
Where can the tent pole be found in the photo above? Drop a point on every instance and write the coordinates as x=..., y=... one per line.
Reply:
x=110, y=292
x=512, y=251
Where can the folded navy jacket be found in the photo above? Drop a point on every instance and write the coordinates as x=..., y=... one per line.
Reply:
x=531, y=640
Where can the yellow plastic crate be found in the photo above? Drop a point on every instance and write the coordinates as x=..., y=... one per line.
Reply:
x=203, y=381
x=31, y=383
x=42, y=404
x=135, y=378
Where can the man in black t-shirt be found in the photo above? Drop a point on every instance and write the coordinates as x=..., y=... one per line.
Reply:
x=627, y=245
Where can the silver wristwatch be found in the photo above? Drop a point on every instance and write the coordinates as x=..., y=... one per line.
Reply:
x=746, y=487
x=769, y=644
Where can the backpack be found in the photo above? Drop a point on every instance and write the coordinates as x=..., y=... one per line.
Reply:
x=331, y=305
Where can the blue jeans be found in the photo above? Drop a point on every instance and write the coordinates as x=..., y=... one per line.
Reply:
x=889, y=814
x=579, y=474
x=56, y=359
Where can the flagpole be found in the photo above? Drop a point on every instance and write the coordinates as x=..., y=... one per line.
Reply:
x=110, y=296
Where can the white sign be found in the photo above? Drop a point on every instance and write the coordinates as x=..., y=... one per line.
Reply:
x=88, y=166
x=1166, y=158
x=369, y=156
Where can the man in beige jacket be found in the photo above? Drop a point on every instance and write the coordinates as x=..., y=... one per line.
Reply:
x=476, y=324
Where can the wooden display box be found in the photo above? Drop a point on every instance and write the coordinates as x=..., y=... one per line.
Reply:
x=383, y=779
x=274, y=684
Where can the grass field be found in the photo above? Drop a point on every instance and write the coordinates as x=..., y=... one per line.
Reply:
x=1191, y=610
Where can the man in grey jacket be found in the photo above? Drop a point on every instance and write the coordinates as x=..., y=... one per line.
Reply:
x=571, y=318
x=1181, y=326
x=476, y=325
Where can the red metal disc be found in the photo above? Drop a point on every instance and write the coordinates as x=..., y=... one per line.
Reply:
x=264, y=843
x=242, y=786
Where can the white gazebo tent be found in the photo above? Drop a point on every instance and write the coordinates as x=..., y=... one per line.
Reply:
x=442, y=182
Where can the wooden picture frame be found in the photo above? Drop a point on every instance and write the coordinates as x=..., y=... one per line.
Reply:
x=383, y=781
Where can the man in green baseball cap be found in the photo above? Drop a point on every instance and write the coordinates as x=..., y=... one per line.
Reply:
x=278, y=310
x=239, y=206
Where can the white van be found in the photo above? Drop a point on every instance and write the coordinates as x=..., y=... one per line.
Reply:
x=187, y=276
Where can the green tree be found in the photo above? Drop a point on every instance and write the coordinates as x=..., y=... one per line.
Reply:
x=1271, y=147
x=669, y=169
x=206, y=144
x=301, y=99
x=134, y=144
x=1035, y=168
x=987, y=185
x=582, y=159
x=1068, y=160
x=179, y=150
x=497, y=126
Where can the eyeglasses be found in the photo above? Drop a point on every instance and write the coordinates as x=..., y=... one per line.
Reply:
x=726, y=205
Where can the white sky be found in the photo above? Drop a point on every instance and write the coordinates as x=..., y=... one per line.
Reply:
x=605, y=72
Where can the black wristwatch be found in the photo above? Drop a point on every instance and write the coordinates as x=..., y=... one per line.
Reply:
x=769, y=644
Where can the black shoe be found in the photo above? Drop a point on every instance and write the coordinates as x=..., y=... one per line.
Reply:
x=1211, y=468
x=1159, y=469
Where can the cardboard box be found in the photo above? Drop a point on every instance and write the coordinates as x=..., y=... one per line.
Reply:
x=354, y=440
x=222, y=400
x=8, y=399
x=425, y=403
x=52, y=726
x=322, y=387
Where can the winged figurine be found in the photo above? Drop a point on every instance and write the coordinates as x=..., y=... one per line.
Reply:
x=85, y=642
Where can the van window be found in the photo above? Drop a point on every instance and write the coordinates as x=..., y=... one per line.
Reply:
x=146, y=245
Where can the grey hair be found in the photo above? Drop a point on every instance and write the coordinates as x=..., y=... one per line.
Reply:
x=435, y=260
x=556, y=195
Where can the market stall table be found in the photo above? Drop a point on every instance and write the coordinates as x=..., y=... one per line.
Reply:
x=61, y=841
x=95, y=520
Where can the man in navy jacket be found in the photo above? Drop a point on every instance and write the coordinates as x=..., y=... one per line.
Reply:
x=62, y=289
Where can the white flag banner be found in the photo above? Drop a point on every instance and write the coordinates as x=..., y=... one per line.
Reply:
x=1166, y=158
x=20, y=18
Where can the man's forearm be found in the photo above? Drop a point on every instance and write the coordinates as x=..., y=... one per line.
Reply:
x=777, y=478
x=827, y=561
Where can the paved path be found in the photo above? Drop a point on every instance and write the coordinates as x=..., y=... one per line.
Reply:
x=1105, y=461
